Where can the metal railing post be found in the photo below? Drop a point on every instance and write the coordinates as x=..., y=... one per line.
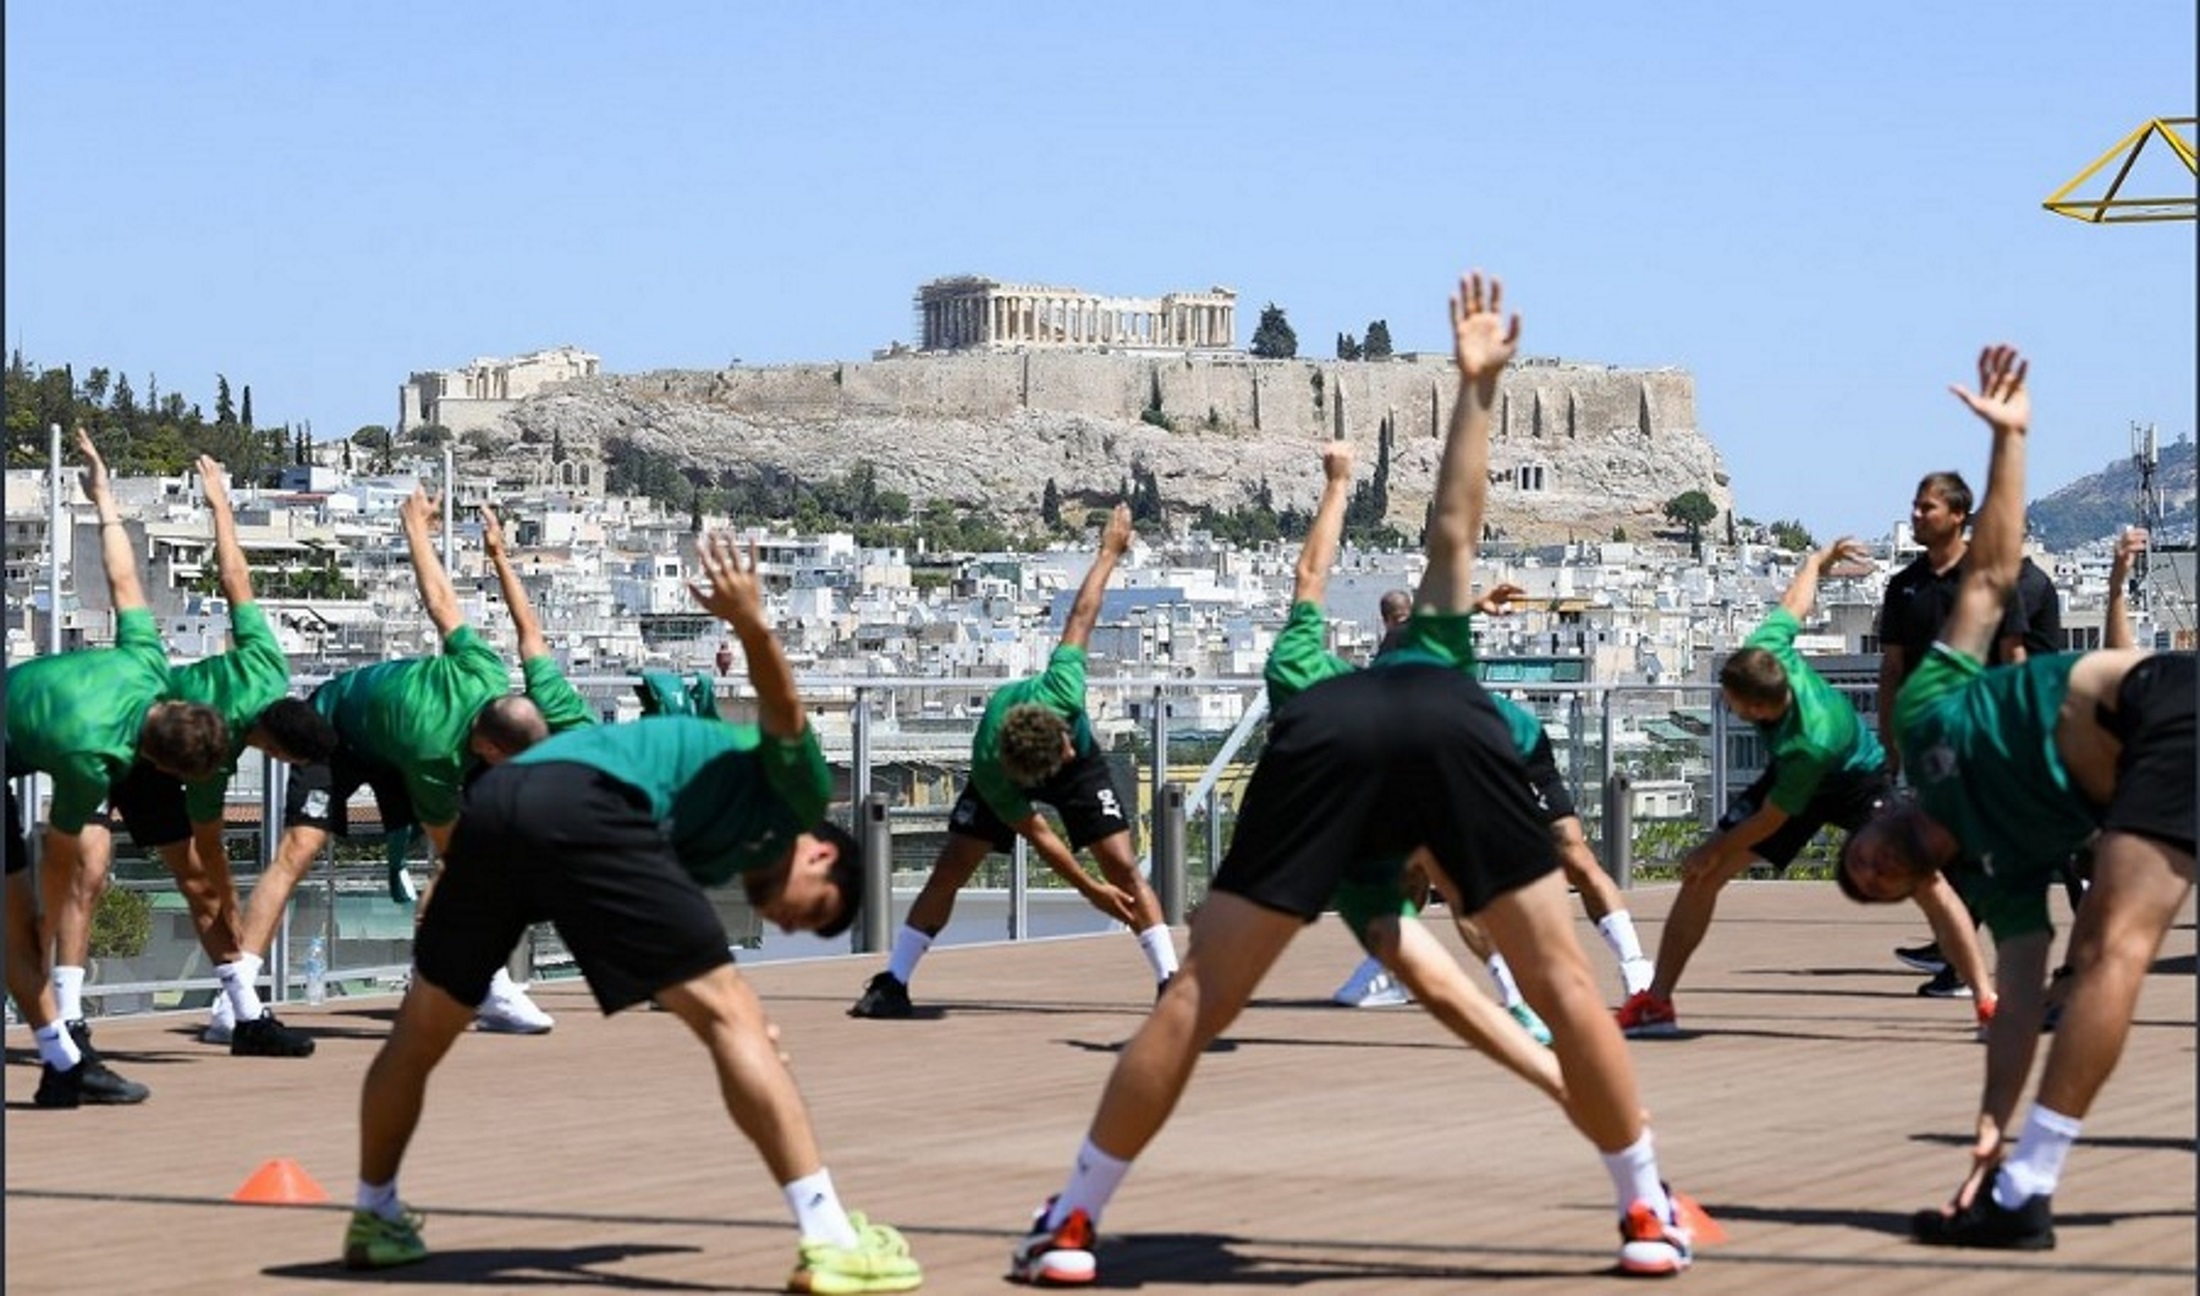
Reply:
x=1214, y=831
x=859, y=744
x=876, y=932
x=1168, y=852
x=1019, y=891
x=56, y=513
x=1158, y=777
x=1619, y=830
x=274, y=787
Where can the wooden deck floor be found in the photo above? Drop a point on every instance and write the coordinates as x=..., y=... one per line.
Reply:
x=1815, y=1102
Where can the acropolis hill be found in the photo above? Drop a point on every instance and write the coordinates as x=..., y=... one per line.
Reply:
x=1579, y=449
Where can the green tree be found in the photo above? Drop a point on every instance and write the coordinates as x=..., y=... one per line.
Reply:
x=431, y=435
x=244, y=411
x=1793, y=536
x=1691, y=509
x=225, y=409
x=1050, y=505
x=1274, y=339
x=1378, y=341
x=371, y=437
x=1348, y=347
x=557, y=447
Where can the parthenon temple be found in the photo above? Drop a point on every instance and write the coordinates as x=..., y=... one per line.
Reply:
x=969, y=312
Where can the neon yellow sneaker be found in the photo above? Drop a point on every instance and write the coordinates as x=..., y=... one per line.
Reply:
x=376, y=1243
x=878, y=1262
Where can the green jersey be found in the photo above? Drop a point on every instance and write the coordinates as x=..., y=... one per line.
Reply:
x=1819, y=734
x=731, y=797
x=561, y=704
x=1061, y=689
x=1300, y=657
x=241, y=683
x=1434, y=639
x=1979, y=744
x=415, y=715
x=76, y=716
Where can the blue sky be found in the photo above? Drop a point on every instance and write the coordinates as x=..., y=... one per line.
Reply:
x=1820, y=210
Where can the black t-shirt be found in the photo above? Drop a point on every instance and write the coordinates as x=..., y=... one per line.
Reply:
x=1919, y=601
x=2041, y=608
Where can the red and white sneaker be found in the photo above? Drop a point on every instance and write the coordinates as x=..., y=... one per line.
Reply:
x=1652, y=1246
x=1055, y=1257
x=1645, y=1015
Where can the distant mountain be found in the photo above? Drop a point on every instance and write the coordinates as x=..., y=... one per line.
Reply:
x=2096, y=506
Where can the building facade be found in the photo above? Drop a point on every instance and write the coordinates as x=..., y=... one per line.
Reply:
x=968, y=312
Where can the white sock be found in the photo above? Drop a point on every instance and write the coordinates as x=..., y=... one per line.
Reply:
x=1508, y=991
x=1618, y=930
x=55, y=1048
x=2036, y=1166
x=1092, y=1184
x=1634, y=1171
x=248, y=967
x=1160, y=951
x=818, y=1214
x=382, y=1199
x=68, y=993
x=910, y=945
x=243, y=996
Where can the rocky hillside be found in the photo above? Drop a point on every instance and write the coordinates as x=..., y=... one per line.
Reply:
x=1580, y=451
x=2096, y=506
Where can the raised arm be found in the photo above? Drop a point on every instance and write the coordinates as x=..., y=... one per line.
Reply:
x=1114, y=539
x=1802, y=592
x=418, y=514
x=1497, y=600
x=2116, y=622
x=1997, y=529
x=1319, y=553
x=229, y=564
x=115, y=554
x=1483, y=342
x=735, y=596
x=529, y=630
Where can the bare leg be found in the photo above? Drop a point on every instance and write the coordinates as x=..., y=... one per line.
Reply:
x=2138, y=887
x=1233, y=944
x=1688, y=922
x=263, y=910
x=758, y=1089
x=28, y=983
x=1534, y=930
x=429, y=1021
x=210, y=896
x=1958, y=939
x=71, y=893
x=1113, y=854
x=1440, y=985
x=1600, y=895
x=951, y=872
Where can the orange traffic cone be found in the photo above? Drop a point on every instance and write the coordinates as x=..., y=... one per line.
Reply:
x=280, y=1182
x=1693, y=1217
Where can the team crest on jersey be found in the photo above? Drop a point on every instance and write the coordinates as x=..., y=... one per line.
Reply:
x=316, y=805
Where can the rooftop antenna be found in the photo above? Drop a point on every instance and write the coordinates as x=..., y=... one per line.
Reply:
x=2146, y=458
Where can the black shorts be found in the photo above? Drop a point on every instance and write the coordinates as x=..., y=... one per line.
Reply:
x=1082, y=792
x=1549, y=786
x=150, y=804
x=2154, y=775
x=1373, y=764
x=19, y=850
x=320, y=793
x=1845, y=799
x=570, y=845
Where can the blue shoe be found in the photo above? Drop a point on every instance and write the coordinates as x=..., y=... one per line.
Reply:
x=1531, y=1023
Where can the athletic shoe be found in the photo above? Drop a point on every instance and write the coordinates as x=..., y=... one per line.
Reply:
x=884, y=996
x=1636, y=975
x=266, y=1037
x=60, y=1090
x=1651, y=1245
x=1530, y=1023
x=1925, y=958
x=81, y=1032
x=508, y=1011
x=95, y=1081
x=1055, y=1257
x=1985, y=1009
x=1355, y=986
x=1384, y=992
x=878, y=1262
x=221, y=1021
x=1646, y=1016
x=1945, y=985
x=372, y=1242
x=1987, y=1223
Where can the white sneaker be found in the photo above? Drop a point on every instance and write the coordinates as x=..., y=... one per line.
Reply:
x=1355, y=986
x=508, y=1010
x=221, y=1020
x=1384, y=992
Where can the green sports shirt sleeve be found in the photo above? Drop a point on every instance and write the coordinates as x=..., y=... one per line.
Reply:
x=1300, y=657
x=422, y=726
x=1060, y=689
x=796, y=772
x=561, y=704
x=241, y=683
x=1434, y=639
x=76, y=716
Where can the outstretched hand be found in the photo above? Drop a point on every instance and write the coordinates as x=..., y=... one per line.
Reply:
x=213, y=483
x=2130, y=543
x=420, y=509
x=2001, y=399
x=734, y=594
x=492, y=532
x=1497, y=599
x=1483, y=338
x=1115, y=539
x=1337, y=461
x=95, y=468
x=1843, y=557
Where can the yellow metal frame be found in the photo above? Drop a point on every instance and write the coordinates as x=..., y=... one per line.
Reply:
x=2108, y=209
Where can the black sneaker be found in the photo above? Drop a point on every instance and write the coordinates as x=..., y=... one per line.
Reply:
x=60, y=1090
x=1163, y=987
x=1945, y=985
x=883, y=997
x=267, y=1037
x=81, y=1032
x=1925, y=958
x=1987, y=1223
x=99, y=1084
